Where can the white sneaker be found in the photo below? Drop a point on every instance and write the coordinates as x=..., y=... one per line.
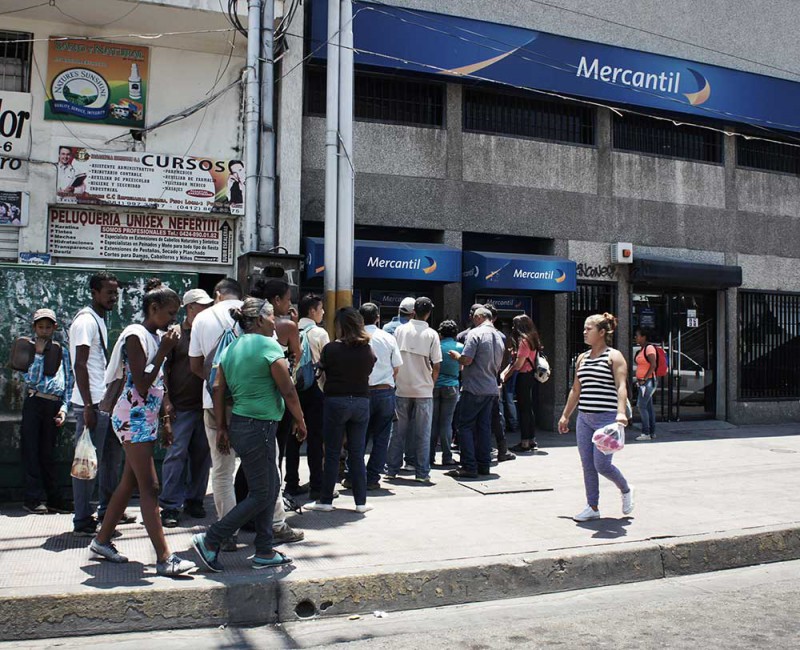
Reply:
x=319, y=507
x=627, y=502
x=363, y=509
x=587, y=515
x=644, y=436
x=107, y=551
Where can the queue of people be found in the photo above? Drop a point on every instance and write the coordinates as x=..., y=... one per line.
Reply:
x=242, y=378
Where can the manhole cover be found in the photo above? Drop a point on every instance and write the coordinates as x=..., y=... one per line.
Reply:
x=505, y=486
x=784, y=451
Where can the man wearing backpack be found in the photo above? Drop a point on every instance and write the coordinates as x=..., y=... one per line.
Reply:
x=647, y=370
x=312, y=339
x=207, y=330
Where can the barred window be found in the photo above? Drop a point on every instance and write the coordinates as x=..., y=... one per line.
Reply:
x=769, y=345
x=661, y=137
x=503, y=113
x=15, y=61
x=382, y=98
x=768, y=156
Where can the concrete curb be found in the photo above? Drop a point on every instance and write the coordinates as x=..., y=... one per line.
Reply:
x=247, y=602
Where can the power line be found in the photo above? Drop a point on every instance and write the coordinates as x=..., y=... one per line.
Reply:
x=52, y=3
x=102, y=37
x=16, y=11
x=664, y=36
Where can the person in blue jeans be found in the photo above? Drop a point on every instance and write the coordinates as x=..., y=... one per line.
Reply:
x=382, y=401
x=347, y=364
x=445, y=394
x=254, y=370
x=481, y=361
x=646, y=364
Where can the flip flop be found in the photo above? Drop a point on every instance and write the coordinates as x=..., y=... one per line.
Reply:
x=279, y=559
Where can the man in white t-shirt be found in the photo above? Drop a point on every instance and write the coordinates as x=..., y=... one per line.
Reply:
x=422, y=354
x=382, y=400
x=88, y=347
x=207, y=329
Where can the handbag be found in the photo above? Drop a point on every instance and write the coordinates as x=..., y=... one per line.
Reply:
x=111, y=396
x=542, y=370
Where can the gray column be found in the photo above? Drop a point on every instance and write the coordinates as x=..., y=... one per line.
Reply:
x=728, y=350
x=452, y=291
x=554, y=329
x=290, y=139
x=729, y=156
x=453, y=122
x=605, y=166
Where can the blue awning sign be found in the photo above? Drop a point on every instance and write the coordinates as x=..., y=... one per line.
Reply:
x=392, y=260
x=456, y=47
x=485, y=270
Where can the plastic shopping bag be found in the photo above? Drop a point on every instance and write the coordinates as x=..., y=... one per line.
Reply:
x=610, y=439
x=84, y=465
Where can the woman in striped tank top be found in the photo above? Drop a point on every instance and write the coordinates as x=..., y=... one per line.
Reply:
x=600, y=392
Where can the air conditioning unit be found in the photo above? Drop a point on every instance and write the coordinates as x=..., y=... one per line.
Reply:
x=622, y=253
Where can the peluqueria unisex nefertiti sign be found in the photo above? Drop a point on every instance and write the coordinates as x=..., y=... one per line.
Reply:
x=97, y=82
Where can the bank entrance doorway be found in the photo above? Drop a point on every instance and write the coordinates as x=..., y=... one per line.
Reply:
x=684, y=322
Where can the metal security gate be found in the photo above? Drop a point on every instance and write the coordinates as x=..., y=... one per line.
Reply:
x=589, y=298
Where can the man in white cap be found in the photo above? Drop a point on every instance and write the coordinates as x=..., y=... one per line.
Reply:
x=189, y=449
x=404, y=314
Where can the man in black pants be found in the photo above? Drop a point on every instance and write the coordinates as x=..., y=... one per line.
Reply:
x=312, y=338
x=498, y=421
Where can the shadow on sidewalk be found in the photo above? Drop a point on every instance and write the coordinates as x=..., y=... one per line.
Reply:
x=605, y=527
x=107, y=575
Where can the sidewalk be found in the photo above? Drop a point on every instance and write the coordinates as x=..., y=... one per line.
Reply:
x=709, y=496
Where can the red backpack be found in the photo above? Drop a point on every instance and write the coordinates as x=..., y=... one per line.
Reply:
x=662, y=363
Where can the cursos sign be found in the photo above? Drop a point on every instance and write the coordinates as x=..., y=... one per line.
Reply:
x=452, y=46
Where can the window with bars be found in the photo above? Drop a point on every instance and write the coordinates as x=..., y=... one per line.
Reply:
x=503, y=113
x=382, y=98
x=769, y=345
x=15, y=61
x=661, y=137
x=768, y=156
x=589, y=298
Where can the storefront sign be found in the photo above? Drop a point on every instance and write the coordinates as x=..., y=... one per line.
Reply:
x=37, y=259
x=431, y=43
x=97, y=82
x=521, y=304
x=150, y=180
x=483, y=270
x=15, y=134
x=134, y=235
x=13, y=209
x=692, y=322
x=392, y=260
x=390, y=298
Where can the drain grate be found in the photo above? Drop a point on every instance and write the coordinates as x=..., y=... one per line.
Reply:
x=505, y=486
x=779, y=450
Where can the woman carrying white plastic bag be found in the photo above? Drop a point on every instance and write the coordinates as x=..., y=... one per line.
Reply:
x=600, y=391
x=137, y=359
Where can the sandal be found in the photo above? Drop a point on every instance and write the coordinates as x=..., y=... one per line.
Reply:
x=279, y=559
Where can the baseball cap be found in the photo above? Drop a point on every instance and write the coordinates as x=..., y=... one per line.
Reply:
x=196, y=296
x=39, y=314
x=407, y=306
x=423, y=305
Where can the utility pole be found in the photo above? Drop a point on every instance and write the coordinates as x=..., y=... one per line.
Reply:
x=331, y=165
x=266, y=172
x=248, y=234
x=345, y=244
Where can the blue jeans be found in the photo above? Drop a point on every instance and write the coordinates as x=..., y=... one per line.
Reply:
x=381, y=414
x=254, y=442
x=646, y=407
x=345, y=415
x=414, y=417
x=510, y=408
x=595, y=462
x=109, y=460
x=184, y=473
x=445, y=399
x=475, y=430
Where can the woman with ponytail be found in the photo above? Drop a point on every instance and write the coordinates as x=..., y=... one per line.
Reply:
x=600, y=391
x=254, y=373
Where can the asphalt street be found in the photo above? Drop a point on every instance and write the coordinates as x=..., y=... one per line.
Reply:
x=755, y=607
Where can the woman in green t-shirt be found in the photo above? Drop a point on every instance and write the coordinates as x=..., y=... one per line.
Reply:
x=255, y=373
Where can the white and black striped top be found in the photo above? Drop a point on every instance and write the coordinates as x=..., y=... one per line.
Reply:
x=598, y=388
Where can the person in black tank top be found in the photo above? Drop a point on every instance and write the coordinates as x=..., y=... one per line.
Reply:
x=600, y=392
